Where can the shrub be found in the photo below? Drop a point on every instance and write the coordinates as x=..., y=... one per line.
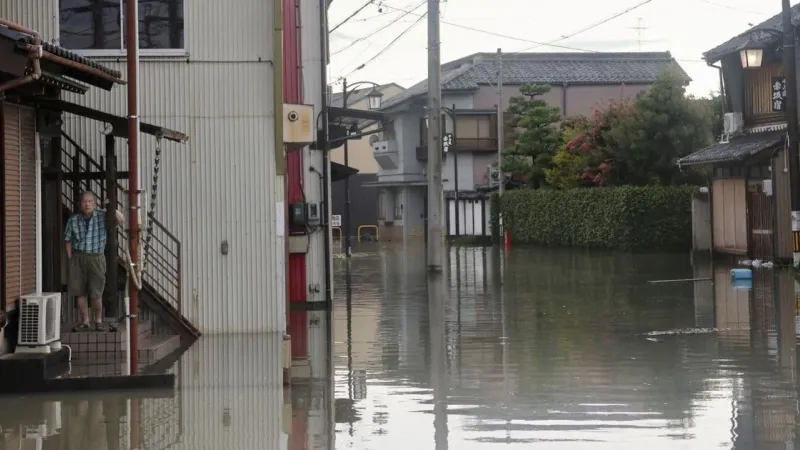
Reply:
x=625, y=218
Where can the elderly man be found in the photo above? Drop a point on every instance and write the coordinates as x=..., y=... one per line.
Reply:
x=85, y=238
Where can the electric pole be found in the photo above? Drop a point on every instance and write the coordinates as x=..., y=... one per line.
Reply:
x=790, y=67
x=435, y=188
x=502, y=234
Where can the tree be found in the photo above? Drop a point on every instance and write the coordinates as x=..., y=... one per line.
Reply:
x=536, y=135
x=664, y=127
x=639, y=142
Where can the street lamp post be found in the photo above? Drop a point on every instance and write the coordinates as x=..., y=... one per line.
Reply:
x=752, y=57
x=375, y=96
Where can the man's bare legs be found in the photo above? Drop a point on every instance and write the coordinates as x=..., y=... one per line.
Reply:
x=97, y=310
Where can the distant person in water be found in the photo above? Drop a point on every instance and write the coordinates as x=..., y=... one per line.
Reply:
x=85, y=239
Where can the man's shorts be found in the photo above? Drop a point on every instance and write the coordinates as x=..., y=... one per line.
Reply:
x=87, y=275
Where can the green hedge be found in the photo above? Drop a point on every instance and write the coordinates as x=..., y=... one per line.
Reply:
x=625, y=218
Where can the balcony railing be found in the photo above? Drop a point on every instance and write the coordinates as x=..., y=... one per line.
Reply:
x=476, y=144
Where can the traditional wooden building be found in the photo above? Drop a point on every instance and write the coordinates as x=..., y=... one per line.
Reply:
x=749, y=166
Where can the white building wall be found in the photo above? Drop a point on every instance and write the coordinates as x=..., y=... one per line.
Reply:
x=466, y=172
x=220, y=186
x=311, y=60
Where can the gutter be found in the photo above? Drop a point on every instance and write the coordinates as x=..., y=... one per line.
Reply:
x=721, y=88
x=75, y=65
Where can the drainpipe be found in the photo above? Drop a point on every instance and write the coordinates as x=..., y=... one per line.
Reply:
x=74, y=64
x=17, y=27
x=35, y=55
x=326, y=157
x=721, y=88
x=280, y=170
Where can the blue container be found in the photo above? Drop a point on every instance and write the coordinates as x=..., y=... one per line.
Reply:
x=743, y=283
x=741, y=274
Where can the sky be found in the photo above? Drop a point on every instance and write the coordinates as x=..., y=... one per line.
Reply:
x=686, y=28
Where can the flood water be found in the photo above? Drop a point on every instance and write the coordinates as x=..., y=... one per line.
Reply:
x=527, y=349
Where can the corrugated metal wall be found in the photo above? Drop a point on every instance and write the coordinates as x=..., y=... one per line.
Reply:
x=221, y=186
x=232, y=392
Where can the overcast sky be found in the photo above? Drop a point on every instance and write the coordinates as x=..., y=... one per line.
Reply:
x=686, y=28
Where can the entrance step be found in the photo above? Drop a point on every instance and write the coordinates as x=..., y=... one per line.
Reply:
x=154, y=348
x=100, y=341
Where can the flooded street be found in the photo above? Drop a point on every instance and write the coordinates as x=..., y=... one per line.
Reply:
x=534, y=348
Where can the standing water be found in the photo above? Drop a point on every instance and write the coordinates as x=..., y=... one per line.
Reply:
x=530, y=349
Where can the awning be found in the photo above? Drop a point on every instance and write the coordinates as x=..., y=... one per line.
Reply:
x=118, y=124
x=738, y=149
x=341, y=172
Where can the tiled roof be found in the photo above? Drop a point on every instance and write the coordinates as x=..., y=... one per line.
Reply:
x=549, y=68
x=751, y=36
x=738, y=149
x=58, y=51
x=357, y=95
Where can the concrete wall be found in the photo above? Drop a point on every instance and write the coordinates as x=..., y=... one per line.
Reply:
x=572, y=100
x=222, y=184
x=701, y=222
x=360, y=152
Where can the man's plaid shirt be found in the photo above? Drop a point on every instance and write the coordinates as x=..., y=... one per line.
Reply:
x=87, y=234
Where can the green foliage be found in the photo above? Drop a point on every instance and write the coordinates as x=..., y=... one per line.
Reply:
x=637, y=142
x=536, y=135
x=624, y=218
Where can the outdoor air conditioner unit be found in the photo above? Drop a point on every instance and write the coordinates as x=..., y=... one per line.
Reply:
x=733, y=123
x=39, y=323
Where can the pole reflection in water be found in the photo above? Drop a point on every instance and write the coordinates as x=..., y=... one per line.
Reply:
x=437, y=297
x=349, y=306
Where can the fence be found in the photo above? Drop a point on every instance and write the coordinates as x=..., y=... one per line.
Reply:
x=474, y=217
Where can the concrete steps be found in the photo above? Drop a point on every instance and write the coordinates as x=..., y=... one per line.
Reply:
x=108, y=348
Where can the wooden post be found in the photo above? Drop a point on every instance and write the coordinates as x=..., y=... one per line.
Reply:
x=112, y=247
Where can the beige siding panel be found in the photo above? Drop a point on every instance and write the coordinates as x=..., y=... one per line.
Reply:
x=730, y=215
x=221, y=185
x=783, y=199
x=231, y=388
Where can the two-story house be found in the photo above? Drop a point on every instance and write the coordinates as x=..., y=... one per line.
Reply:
x=749, y=202
x=221, y=198
x=579, y=83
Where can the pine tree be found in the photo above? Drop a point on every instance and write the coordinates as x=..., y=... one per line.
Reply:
x=535, y=135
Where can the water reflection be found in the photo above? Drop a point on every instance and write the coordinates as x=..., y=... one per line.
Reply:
x=564, y=349
x=528, y=349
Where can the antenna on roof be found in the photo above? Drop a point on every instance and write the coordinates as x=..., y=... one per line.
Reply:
x=640, y=29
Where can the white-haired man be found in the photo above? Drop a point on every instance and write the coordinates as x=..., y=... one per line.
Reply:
x=85, y=238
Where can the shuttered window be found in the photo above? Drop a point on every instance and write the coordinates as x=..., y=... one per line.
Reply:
x=19, y=188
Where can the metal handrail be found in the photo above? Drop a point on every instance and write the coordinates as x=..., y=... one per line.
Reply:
x=163, y=271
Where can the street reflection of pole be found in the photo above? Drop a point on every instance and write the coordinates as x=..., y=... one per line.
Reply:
x=458, y=305
x=785, y=321
x=504, y=343
x=437, y=296
x=349, y=293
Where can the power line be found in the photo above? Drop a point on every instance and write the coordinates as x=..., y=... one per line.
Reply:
x=492, y=33
x=369, y=2
x=594, y=25
x=373, y=33
x=733, y=8
x=387, y=47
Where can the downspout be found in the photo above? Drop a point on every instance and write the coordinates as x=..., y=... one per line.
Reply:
x=564, y=99
x=326, y=157
x=38, y=165
x=280, y=170
x=35, y=55
x=721, y=88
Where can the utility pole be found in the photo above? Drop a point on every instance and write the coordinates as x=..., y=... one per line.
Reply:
x=500, y=141
x=346, y=223
x=790, y=67
x=435, y=191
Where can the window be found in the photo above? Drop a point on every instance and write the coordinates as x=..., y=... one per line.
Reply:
x=97, y=26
